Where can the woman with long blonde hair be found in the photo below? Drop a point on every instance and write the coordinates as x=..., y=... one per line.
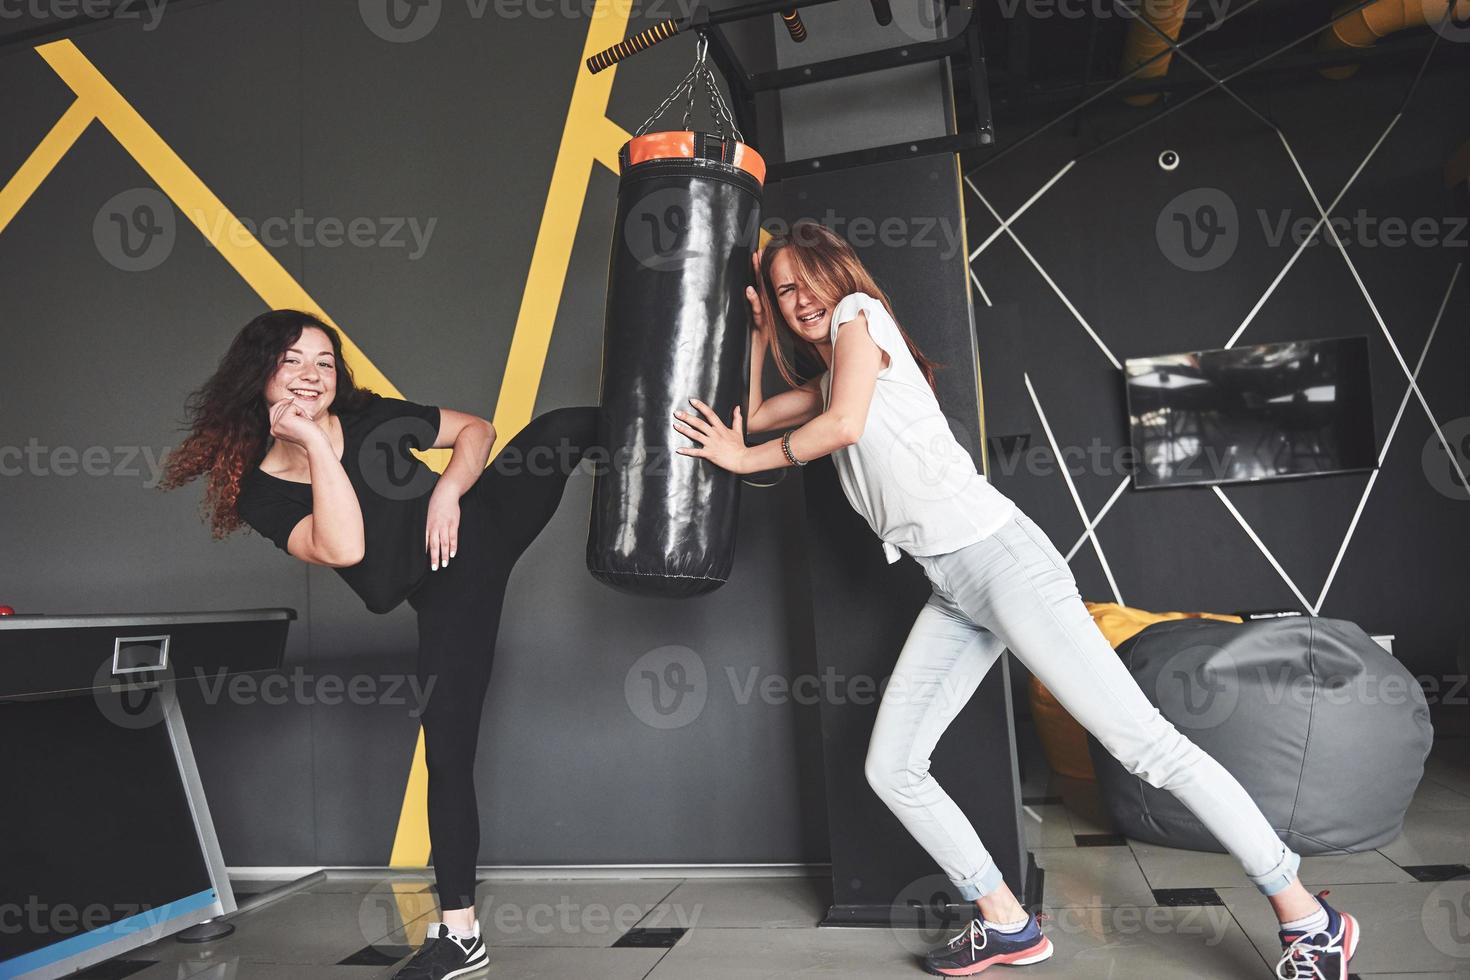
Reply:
x=997, y=583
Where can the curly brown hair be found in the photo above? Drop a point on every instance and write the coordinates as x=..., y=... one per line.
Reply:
x=227, y=417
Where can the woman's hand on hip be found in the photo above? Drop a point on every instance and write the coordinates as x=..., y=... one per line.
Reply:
x=441, y=535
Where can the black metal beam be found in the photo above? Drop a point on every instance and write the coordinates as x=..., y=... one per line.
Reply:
x=1407, y=50
x=742, y=98
x=745, y=85
x=702, y=15
x=979, y=83
x=858, y=64
x=1018, y=51
x=878, y=154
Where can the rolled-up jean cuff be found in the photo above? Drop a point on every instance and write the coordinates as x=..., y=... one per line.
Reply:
x=1279, y=878
x=982, y=884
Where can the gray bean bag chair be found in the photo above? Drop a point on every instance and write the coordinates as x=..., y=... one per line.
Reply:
x=1324, y=728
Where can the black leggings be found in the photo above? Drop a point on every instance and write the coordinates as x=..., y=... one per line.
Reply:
x=459, y=614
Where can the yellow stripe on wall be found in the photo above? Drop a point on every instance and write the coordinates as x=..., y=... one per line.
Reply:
x=197, y=202
x=43, y=159
x=588, y=137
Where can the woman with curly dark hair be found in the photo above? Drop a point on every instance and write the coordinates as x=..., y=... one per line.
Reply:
x=290, y=445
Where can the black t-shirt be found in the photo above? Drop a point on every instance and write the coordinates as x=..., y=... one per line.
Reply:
x=393, y=489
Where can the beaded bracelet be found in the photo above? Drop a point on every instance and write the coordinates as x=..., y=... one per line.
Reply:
x=786, y=448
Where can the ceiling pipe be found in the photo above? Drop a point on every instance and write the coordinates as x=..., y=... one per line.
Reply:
x=1457, y=170
x=1363, y=28
x=1144, y=42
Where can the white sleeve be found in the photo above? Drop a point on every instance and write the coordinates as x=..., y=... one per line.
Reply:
x=880, y=325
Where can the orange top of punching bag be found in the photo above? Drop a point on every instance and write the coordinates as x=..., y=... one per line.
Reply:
x=676, y=144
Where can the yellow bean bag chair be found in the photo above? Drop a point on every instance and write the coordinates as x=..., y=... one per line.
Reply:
x=1063, y=740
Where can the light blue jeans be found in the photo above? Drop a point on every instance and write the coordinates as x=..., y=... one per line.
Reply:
x=1014, y=590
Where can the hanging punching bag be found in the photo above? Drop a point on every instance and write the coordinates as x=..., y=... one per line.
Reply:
x=677, y=327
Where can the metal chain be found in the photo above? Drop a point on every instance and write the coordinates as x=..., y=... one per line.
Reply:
x=701, y=48
x=717, y=106
x=700, y=73
x=697, y=74
x=679, y=90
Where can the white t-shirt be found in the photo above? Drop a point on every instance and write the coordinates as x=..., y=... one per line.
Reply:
x=908, y=476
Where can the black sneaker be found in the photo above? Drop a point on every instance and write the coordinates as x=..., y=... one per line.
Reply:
x=1319, y=955
x=443, y=956
x=976, y=948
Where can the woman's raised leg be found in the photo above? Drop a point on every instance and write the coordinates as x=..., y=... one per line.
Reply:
x=459, y=608
x=523, y=486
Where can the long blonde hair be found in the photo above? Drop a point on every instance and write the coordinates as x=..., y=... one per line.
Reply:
x=828, y=265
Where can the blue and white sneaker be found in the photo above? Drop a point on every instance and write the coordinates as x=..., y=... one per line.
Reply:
x=1320, y=955
x=976, y=948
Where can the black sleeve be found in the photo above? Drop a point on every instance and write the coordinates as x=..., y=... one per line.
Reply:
x=271, y=513
x=383, y=409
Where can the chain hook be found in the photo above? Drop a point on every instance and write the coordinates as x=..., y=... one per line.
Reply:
x=699, y=74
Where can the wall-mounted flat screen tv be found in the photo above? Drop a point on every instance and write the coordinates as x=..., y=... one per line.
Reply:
x=1268, y=412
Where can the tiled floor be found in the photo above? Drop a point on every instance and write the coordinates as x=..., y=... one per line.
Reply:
x=1118, y=909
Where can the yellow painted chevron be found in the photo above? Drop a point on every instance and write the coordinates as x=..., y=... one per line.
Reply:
x=43, y=160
